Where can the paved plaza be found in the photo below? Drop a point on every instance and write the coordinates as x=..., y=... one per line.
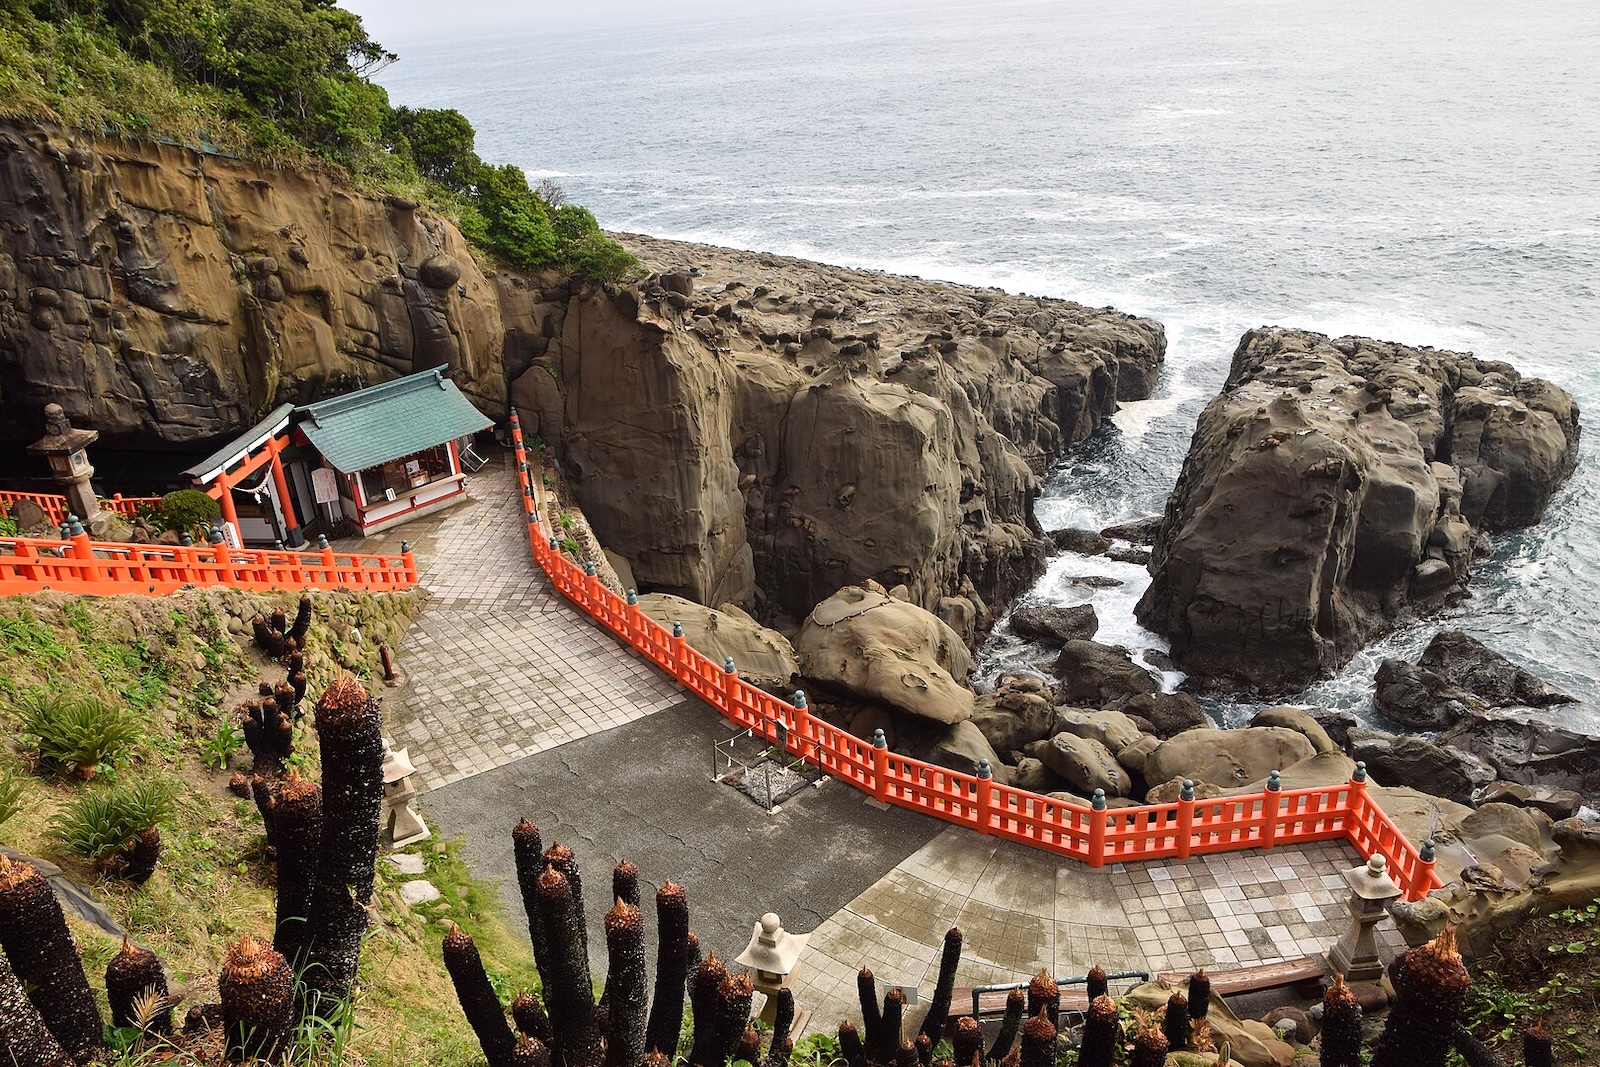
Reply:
x=515, y=703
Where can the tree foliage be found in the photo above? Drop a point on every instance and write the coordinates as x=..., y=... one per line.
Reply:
x=286, y=79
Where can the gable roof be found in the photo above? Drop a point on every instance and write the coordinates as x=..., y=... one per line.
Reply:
x=383, y=422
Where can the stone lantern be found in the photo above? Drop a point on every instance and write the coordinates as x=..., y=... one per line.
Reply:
x=405, y=826
x=1371, y=890
x=774, y=956
x=64, y=448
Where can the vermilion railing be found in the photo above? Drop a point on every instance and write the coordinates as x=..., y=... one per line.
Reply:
x=57, y=508
x=1095, y=835
x=108, y=568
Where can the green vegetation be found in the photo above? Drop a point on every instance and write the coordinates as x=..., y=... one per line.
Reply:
x=1545, y=970
x=77, y=736
x=287, y=81
x=187, y=509
x=100, y=822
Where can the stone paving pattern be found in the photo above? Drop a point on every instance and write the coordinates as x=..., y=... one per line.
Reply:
x=498, y=665
x=499, y=669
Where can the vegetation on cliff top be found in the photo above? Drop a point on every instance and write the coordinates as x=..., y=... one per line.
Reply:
x=288, y=81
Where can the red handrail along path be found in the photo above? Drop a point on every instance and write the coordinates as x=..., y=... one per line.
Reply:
x=1094, y=834
x=109, y=568
x=56, y=507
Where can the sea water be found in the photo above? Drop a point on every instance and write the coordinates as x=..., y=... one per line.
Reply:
x=1419, y=172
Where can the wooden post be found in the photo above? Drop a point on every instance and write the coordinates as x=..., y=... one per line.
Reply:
x=1097, y=829
x=985, y=795
x=802, y=718
x=229, y=512
x=219, y=552
x=331, y=572
x=679, y=645
x=730, y=687
x=1271, y=808
x=1423, y=882
x=1185, y=818
x=410, y=562
x=292, y=536
x=880, y=767
x=1356, y=813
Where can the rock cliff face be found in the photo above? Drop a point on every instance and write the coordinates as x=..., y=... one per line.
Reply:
x=740, y=428
x=161, y=295
x=746, y=426
x=1335, y=486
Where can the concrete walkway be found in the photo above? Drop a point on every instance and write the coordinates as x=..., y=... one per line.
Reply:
x=514, y=703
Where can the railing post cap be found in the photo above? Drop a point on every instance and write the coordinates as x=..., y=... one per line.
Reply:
x=65, y=529
x=215, y=536
x=77, y=526
x=878, y=740
x=633, y=597
x=1360, y=773
x=185, y=539
x=405, y=546
x=322, y=540
x=278, y=544
x=1098, y=801
x=532, y=518
x=799, y=700
x=523, y=466
x=1187, y=792
x=1274, y=782
x=985, y=771
x=727, y=665
x=554, y=544
x=677, y=629
x=588, y=568
x=513, y=412
x=1428, y=852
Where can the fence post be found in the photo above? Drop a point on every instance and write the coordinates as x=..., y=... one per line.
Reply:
x=1185, y=818
x=1423, y=882
x=679, y=644
x=1354, y=820
x=985, y=794
x=1271, y=807
x=591, y=588
x=330, y=575
x=554, y=548
x=802, y=716
x=730, y=686
x=82, y=548
x=880, y=767
x=1097, y=829
x=219, y=552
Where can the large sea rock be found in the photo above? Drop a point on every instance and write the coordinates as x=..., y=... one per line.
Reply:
x=1335, y=487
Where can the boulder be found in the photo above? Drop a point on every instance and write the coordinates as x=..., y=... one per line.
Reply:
x=1558, y=804
x=1415, y=697
x=1084, y=765
x=879, y=649
x=961, y=747
x=1020, y=711
x=1323, y=769
x=763, y=657
x=1420, y=764
x=1300, y=721
x=1055, y=623
x=1172, y=790
x=1227, y=757
x=1112, y=729
x=1467, y=664
x=1169, y=714
x=1032, y=774
x=1083, y=542
x=1313, y=487
x=1136, y=755
x=1100, y=674
x=31, y=519
x=1137, y=531
x=1336, y=723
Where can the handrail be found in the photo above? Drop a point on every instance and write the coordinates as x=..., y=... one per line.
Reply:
x=1095, y=834
x=80, y=565
x=57, y=507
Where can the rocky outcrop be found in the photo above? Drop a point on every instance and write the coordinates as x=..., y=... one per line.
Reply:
x=762, y=657
x=164, y=296
x=772, y=429
x=1055, y=624
x=1455, y=676
x=1335, y=487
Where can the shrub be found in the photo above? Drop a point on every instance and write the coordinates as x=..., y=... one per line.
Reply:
x=79, y=735
x=187, y=509
x=98, y=824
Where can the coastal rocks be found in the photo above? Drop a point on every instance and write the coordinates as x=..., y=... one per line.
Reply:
x=1099, y=675
x=1168, y=714
x=1083, y=764
x=1054, y=623
x=1301, y=722
x=963, y=747
x=880, y=650
x=1021, y=710
x=167, y=296
x=1322, y=488
x=1523, y=746
x=1227, y=758
x=763, y=657
x=1455, y=676
x=1436, y=769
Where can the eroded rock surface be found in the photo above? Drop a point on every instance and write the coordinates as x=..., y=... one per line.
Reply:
x=1333, y=488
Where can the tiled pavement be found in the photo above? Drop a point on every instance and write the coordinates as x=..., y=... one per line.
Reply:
x=1021, y=910
x=498, y=667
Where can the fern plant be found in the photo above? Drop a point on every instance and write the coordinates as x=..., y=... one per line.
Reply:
x=98, y=824
x=77, y=736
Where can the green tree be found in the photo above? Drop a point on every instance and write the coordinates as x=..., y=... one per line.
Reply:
x=438, y=140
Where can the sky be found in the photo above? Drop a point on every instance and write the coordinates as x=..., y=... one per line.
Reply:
x=391, y=22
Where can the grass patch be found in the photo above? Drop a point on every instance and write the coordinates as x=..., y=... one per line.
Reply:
x=213, y=882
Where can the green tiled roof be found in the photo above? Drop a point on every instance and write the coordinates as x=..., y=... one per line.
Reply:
x=371, y=426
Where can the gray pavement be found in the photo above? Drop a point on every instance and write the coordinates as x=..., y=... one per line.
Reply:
x=514, y=703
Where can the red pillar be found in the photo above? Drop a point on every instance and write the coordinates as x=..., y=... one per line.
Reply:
x=226, y=500
x=291, y=536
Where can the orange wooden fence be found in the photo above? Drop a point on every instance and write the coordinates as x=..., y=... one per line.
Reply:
x=106, y=568
x=1095, y=834
x=56, y=507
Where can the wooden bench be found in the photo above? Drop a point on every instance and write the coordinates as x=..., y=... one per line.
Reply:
x=1307, y=971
